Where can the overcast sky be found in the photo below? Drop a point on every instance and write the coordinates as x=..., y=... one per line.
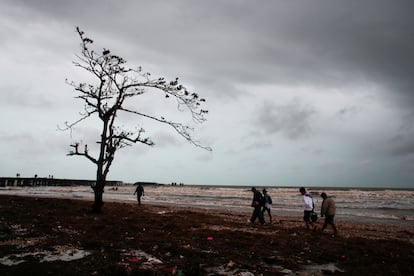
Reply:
x=299, y=93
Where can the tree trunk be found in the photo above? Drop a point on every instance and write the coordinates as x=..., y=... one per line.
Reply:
x=98, y=203
x=98, y=190
x=100, y=175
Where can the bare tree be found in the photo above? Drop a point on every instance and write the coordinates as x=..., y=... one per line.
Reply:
x=106, y=100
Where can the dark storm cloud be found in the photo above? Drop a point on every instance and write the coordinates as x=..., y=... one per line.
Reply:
x=223, y=45
x=403, y=148
x=332, y=44
x=292, y=120
x=318, y=43
x=402, y=144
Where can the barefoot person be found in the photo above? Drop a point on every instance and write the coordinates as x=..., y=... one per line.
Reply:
x=308, y=208
x=328, y=210
x=140, y=192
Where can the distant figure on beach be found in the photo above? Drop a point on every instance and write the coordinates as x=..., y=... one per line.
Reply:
x=140, y=192
x=328, y=210
x=308, y=208
x=267, y=204
x=257, y=204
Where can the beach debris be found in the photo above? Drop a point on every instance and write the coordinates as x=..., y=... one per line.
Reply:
x=143, y=259
x=170, y=270
x=282, y=270
x=321, y=269
x=229, y=269
x=12, y=260
x=67, y=255
x=210, y=251
x=154, y=260
x=274, y=261
x=179, y=272
x=173, y=271
x=134, y=259
x=20, y=242
x=45, y=256
x=231, y=264
x=147, y=266
x=151, y=264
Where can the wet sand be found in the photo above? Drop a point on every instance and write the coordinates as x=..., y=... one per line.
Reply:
x=42, y=236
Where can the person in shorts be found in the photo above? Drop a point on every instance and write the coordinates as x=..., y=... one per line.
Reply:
x=308, y=208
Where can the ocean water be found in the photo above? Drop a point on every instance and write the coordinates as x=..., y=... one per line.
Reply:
x=389, y=206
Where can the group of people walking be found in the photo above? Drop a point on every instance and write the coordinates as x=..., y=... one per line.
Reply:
x=328, y=210
x=263, y=203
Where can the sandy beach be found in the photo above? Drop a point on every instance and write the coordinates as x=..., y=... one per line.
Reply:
x=49, y=236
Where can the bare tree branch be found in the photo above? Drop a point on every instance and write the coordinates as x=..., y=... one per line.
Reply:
x=84, y=153
x=115, y=84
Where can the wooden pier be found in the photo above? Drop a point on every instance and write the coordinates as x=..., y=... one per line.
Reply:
x=47, y=181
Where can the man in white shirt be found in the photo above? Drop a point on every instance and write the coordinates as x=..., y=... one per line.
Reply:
x=308, y=208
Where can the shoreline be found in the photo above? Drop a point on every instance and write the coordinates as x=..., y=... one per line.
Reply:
x=127, y=239
x=157, y=196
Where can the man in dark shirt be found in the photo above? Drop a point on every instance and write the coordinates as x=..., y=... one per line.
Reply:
x=257, y=204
